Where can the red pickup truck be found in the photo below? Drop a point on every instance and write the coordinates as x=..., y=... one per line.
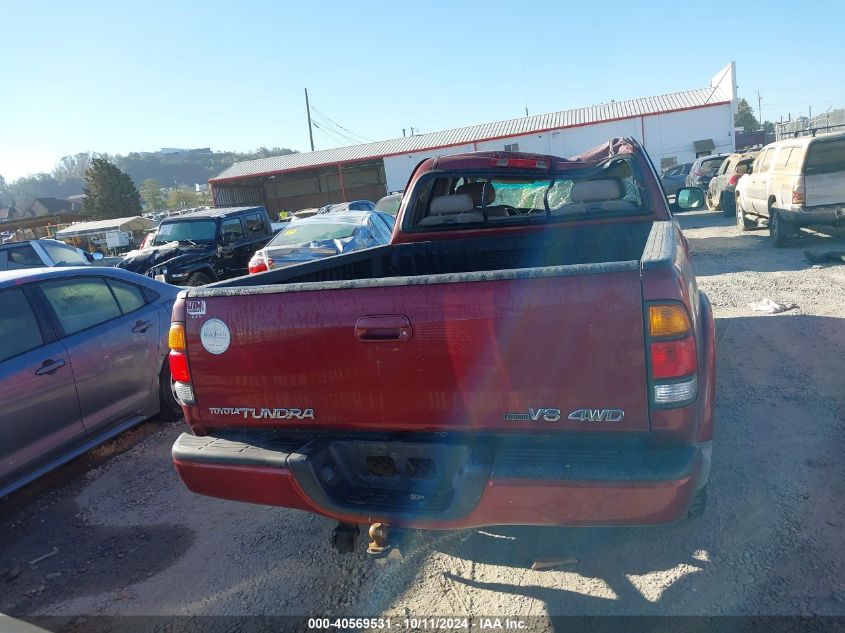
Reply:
x=530, y=348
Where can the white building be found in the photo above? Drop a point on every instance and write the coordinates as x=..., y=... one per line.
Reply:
x=674, y=128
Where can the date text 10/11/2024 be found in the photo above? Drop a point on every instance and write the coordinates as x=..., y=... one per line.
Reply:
x=414, y=623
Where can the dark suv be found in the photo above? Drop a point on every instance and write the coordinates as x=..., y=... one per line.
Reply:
x=203, y=246
x=703, y=170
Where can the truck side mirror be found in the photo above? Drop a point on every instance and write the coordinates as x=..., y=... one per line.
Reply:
x=689, y=199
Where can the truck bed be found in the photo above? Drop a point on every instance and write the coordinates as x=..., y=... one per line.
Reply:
x=609, y=244
x=498, y=330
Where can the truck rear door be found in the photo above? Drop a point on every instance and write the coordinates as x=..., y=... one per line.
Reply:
x=561, y=353
x=824, y=179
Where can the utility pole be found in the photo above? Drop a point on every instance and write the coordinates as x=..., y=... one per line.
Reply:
x=310, y=131
x=760, y=109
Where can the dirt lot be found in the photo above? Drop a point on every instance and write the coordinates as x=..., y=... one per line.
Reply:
x=132, y=540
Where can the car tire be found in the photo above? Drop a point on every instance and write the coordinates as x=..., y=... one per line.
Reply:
x=711, y=204
x=199, y=279
x=742, y=221
x=728, y=205
x=169, y=407
x=780, y=231
x=699, y=504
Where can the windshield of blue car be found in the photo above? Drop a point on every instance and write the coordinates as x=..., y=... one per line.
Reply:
x=186, y=231
x=306, y=232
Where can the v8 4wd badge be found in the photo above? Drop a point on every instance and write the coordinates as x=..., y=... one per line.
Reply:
x=534, y=415
x=597, y=415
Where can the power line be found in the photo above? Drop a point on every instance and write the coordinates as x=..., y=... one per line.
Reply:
x=338, y=136
x=338, y=125
x=332, y=134
x=343, y=135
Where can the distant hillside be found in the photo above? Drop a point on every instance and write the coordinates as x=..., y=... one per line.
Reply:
x=195, y=166
x=171, y=168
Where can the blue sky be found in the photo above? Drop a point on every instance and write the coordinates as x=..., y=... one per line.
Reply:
x=117, y=77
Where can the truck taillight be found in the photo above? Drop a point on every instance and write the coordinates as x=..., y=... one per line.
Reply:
x=673, y=361
x=178, y=359
x=256, y=264
x=798, y=196
x=176, y=337
x=734, y=179
x=179, y=367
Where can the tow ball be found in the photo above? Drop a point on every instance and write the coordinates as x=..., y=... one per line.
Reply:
x=344, y=537
x=380, y=545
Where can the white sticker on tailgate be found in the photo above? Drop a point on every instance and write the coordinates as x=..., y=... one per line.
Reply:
x=215, y=336
x=196, y=307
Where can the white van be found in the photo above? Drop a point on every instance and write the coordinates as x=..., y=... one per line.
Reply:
x=793, y=183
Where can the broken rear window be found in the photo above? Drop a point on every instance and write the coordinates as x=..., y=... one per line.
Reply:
x=456, y=198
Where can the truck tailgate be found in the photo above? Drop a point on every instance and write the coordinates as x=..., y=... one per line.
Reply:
x=497, y=354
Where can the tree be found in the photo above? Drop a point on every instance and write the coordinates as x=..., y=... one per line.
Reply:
x=109, y=193
x=151, y=194
x=6, y=199
x=183, y=198
x=72, y=167
x=745, y=117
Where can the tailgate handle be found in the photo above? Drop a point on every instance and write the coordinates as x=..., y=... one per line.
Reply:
x=389, y=327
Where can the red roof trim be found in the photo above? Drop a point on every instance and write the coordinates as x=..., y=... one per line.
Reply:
x=481, y=140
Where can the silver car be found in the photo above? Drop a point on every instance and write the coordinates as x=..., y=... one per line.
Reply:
x=82, y=358
x=322, y=236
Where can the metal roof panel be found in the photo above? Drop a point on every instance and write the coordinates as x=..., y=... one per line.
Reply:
x=479, y=132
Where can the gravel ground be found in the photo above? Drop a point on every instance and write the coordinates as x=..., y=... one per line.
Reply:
x=132, y=540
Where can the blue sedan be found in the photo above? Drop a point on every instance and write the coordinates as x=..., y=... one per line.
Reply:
x=82, y=358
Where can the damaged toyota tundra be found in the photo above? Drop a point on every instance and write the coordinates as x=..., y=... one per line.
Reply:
x=531, y=348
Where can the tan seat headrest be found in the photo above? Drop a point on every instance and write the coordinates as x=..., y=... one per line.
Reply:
x=475, y=189
x=596, y=190
x=449, y=205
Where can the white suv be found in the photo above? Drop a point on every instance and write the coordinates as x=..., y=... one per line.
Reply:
x=44, y=252
x=794, y=183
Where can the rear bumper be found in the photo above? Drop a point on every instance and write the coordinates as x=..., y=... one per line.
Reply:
x=834, y=214
x=503, y=481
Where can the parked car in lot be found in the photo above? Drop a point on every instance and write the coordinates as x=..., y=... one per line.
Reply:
x=703, y=170
x=793, y=183
x=203, y=246
x=44, y=252
x=675, y=177
x=82, y=358
x=340, y=207
x=530, y=348
x=720, y=191
x=390, y=203
x=323, y=236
